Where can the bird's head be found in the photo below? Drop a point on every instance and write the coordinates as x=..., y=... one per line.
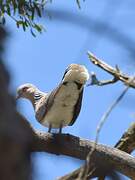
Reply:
x=25, y=91
x=76, y=72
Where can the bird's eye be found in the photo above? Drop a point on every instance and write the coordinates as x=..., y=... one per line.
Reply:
x=24, y=89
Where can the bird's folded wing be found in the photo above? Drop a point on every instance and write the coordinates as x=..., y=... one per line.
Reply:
x=77, y=108
x=45, y=104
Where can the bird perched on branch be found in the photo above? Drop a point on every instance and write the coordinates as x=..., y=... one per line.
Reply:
x=61, y=106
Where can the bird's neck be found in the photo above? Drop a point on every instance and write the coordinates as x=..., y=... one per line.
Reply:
x=35, y=96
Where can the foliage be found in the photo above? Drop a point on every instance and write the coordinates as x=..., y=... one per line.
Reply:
x=78, y=3
x=23, y=12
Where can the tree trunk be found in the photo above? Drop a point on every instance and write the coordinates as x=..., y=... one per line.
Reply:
x=14, y=136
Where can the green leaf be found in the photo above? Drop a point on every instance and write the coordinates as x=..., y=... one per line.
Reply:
x=78, y=3
x=33, y=13
x=18, y=23
x=39, y=28
x=24, y=27
x=33, y=34
x=37, y=9
x=26, y=23
x=8, y=9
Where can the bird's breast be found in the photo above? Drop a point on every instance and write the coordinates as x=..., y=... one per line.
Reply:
x=63, y=106
x=68, y=94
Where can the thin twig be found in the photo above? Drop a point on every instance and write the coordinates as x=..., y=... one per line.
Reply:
x=107, y=113
x=105, y=116
x=95, y=81
x=85, y=170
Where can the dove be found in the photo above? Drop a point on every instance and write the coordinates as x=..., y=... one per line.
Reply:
x=61, y=106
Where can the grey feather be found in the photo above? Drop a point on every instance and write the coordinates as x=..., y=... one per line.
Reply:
x=45, y=104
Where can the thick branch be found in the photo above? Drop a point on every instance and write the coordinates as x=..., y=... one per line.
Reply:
x=66, y=144
x=70, y=145
x=126, y=143
x=118, y=75
x=58, y=144
x=76, y=147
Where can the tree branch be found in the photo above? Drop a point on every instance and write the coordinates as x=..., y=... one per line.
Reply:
x=118, y=75
x=126, y=143
x=76, y=147
x=95, y=81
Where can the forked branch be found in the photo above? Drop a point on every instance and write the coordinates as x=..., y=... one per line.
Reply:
x=116, y=72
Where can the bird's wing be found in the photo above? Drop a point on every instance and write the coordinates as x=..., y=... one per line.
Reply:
x=77, y=108
x=40, y=108
x=46, y=103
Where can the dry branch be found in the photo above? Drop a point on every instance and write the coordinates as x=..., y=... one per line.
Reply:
x=116, y=72
x=76, y=147
x=126, y=143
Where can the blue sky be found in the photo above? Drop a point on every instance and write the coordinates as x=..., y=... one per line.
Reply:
x=70, y=33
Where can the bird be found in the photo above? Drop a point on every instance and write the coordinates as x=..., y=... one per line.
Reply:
x=61, y=106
